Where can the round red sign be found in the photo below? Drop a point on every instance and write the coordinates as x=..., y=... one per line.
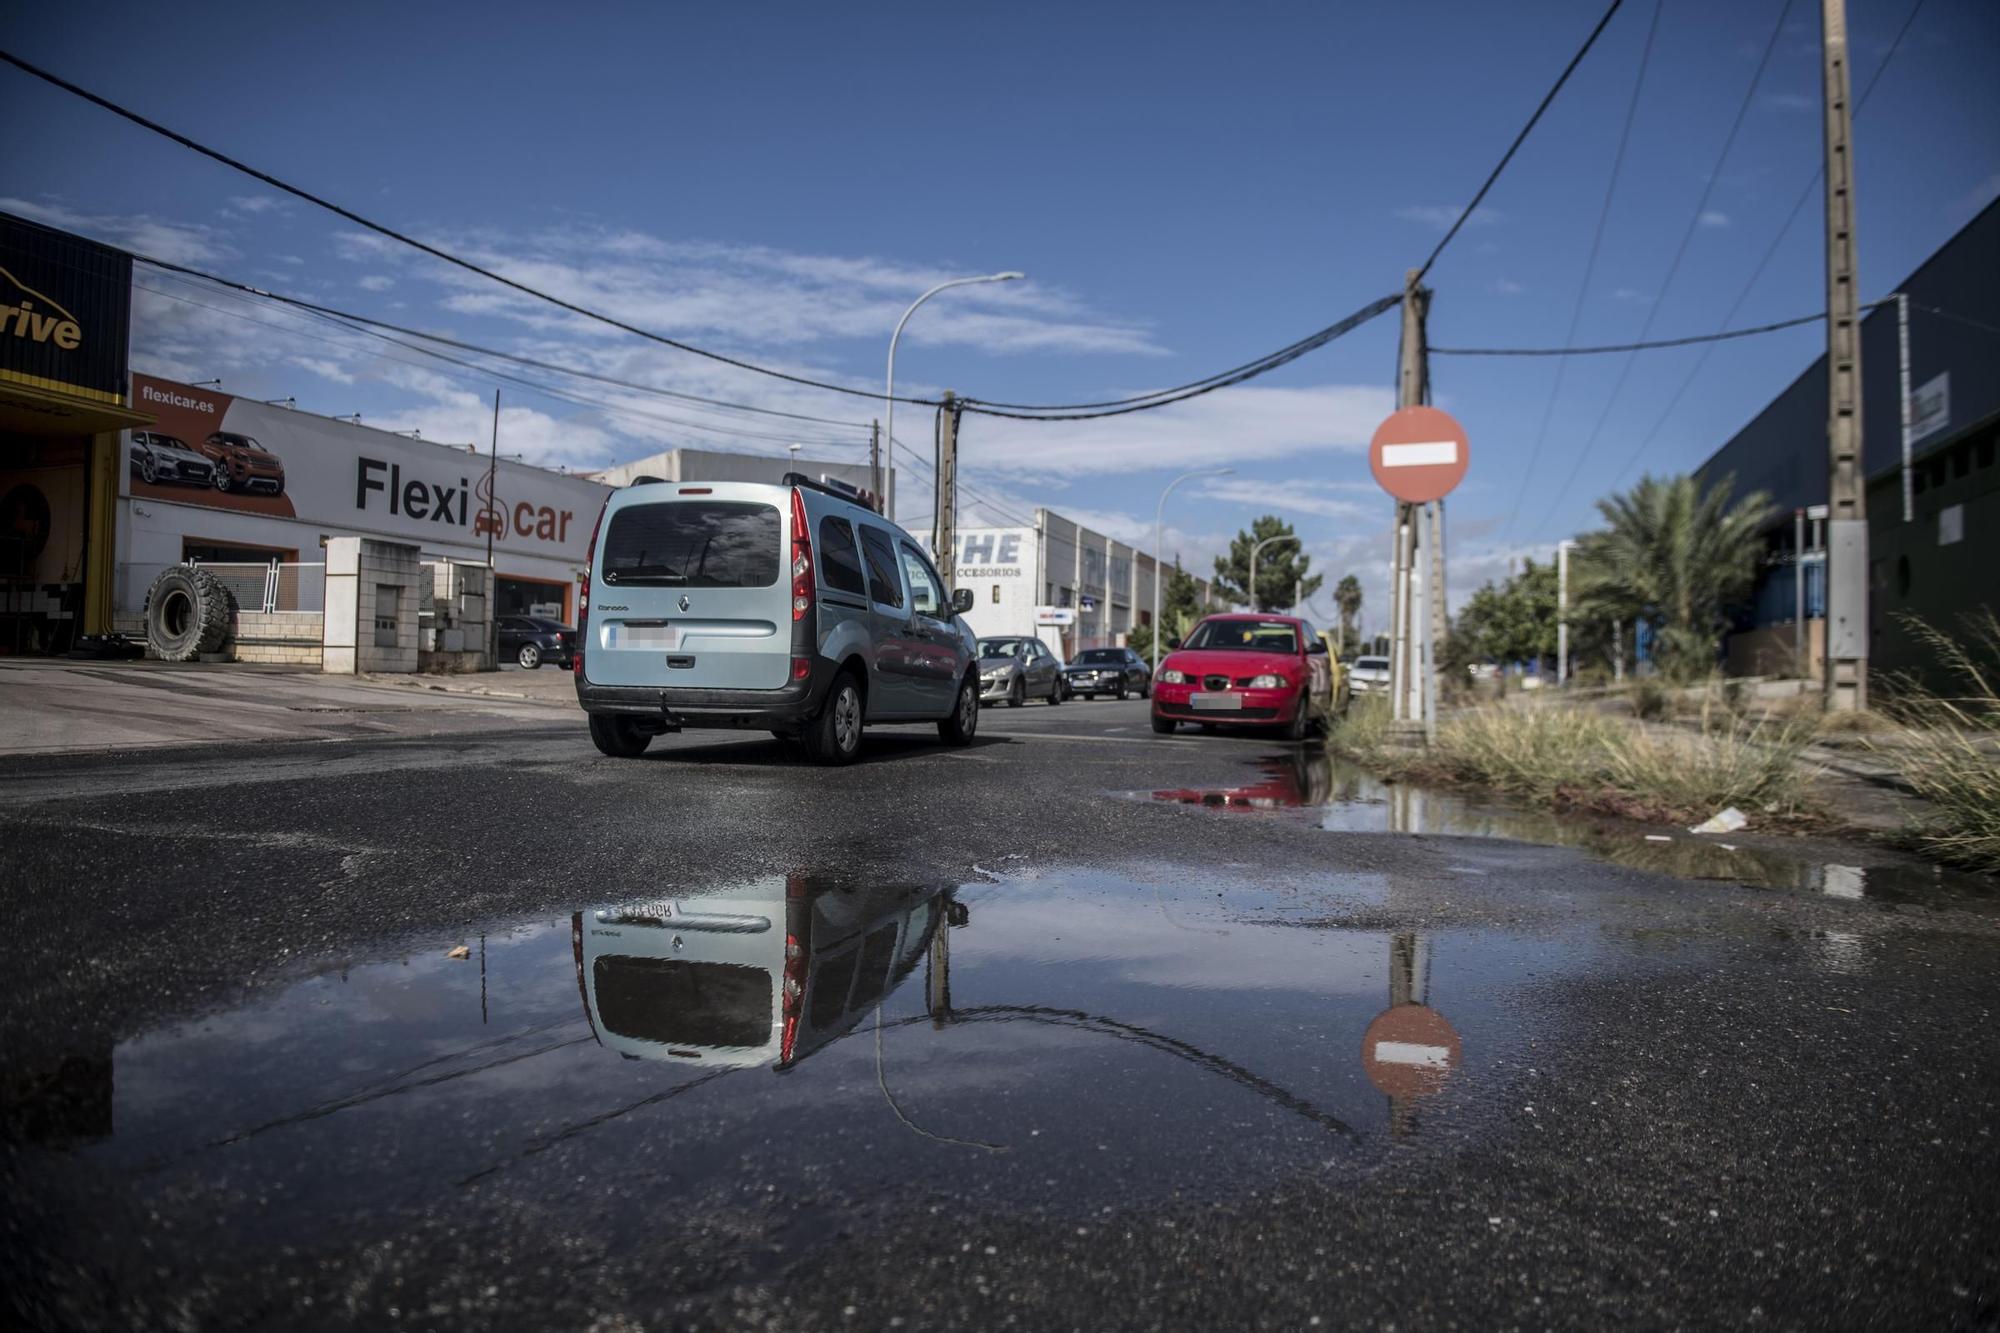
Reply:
x=1418, y=454
x=1409, y=1050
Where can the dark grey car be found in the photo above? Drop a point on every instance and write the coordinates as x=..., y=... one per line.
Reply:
x=1118, y=672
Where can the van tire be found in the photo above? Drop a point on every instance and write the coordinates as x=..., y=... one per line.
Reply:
x=834, y=737
x=963, y=724
x=187, y=614
x=618, y=737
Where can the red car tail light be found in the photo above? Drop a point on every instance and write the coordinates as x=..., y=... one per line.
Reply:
x=802, y=558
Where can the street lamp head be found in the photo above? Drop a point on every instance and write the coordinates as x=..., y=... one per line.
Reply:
x=1007, y=277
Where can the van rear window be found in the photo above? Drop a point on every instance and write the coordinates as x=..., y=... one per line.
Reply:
x=693, y=544
x=683, y=1003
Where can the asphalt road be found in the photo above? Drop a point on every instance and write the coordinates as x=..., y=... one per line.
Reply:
x=1092, y=1035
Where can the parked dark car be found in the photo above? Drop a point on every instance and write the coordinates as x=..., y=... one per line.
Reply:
x=531, y=641
x=1113, y=671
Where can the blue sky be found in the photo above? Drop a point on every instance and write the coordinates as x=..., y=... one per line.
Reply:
x=1186, y=185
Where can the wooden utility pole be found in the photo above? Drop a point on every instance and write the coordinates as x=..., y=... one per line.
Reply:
x=1406, y=685
x=944, y=537
x=1847, y=479
x=875, y=466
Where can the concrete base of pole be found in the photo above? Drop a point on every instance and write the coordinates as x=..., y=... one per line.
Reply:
x=1407, y=735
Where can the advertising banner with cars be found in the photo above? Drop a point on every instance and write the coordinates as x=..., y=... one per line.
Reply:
x=216, y=451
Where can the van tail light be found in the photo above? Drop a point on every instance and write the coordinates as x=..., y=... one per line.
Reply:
x=583, y=596
x=802, y=558
x=798, y=928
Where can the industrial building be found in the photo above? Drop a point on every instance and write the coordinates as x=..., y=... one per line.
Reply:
x=1074, y=588
x=1933, y=494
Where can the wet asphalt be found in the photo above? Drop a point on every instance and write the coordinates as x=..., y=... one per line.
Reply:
x=1096, y=1029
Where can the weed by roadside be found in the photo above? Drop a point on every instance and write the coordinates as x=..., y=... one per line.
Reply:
x=1582, y=758
x=1950, y=756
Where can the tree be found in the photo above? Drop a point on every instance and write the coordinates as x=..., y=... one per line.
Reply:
x=1347, y=599
x=1513, y=621
x=1677, y=557
x=1182, y=596
x=1282, y=568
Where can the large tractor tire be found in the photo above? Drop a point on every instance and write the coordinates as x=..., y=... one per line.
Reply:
x=187, y=614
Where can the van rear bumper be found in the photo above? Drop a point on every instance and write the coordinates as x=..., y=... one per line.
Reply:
x=779, y=709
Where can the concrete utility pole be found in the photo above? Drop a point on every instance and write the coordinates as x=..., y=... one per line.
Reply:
x=875, y=466
x=944, y=537
x=1847, y=481
x=492, y=577
x=1562, y=611
x=1406, y=672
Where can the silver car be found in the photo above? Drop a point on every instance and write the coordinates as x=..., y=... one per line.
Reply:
x=1017, y=670
x=793, y=609
x=1368, y=675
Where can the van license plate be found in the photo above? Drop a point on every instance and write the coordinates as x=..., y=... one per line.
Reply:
x=658, y=637
x=1216, y=702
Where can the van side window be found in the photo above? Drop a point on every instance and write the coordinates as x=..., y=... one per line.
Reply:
x=883, y=584
x=839, y=561
x=925, y=595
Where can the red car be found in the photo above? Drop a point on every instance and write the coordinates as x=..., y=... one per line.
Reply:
x=1246, y=670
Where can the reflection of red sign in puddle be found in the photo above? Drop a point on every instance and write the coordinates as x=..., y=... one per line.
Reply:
x=1409, y=1050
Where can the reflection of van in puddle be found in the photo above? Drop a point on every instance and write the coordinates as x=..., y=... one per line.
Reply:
x=767, y=973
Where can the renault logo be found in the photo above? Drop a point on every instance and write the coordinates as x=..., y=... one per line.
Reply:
x=684, y=601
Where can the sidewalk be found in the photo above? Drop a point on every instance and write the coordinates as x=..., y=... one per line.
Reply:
x=58, y=706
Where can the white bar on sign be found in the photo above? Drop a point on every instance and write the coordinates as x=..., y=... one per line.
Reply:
x=1410, y=1053
x=1433, y=453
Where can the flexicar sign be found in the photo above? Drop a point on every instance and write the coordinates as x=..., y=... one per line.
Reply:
x=214, y=451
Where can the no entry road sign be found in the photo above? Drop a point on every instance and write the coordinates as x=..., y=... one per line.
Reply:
x=1418, y=454
x=1409, y=1050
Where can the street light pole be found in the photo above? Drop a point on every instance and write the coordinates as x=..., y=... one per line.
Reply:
x=1281, y=537
x=889, y=393
x=1159, y=541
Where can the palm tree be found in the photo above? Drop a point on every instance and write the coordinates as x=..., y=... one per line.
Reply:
x=1347, y=597
x=1676, y=556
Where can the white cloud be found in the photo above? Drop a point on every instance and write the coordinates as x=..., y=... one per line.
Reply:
x=1714, y=217
x=1439, y=217
x=1508, y=287
x=1294, y=496
x=257, y=203
x=175, y=242
x=1236, y=425
x=1792, y=101
x=324, y=367
x=1632, y=294
x=376, y=282
x=754, y=294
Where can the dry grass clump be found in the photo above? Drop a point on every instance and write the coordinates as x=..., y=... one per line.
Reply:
x=1951, y=756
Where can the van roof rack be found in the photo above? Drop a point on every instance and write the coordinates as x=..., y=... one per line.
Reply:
x=840, y=490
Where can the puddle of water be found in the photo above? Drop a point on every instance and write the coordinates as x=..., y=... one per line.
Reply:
x=1342, y=797
x=789, y=1051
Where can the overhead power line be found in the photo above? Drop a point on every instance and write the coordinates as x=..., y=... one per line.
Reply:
x=1673, y=269
x=488, y=374
x=1770, y=251
x=435, y=252
x=459, y=344
x=1590, y=265
x=1519, y=139
x=1164, y=397
x=1654, y=345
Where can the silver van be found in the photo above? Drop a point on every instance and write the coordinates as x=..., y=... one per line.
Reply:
x=792, y=608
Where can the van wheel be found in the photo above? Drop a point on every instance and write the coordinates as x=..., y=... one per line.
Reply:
x=618, y=737
x=963, y=724
x=834, y=737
